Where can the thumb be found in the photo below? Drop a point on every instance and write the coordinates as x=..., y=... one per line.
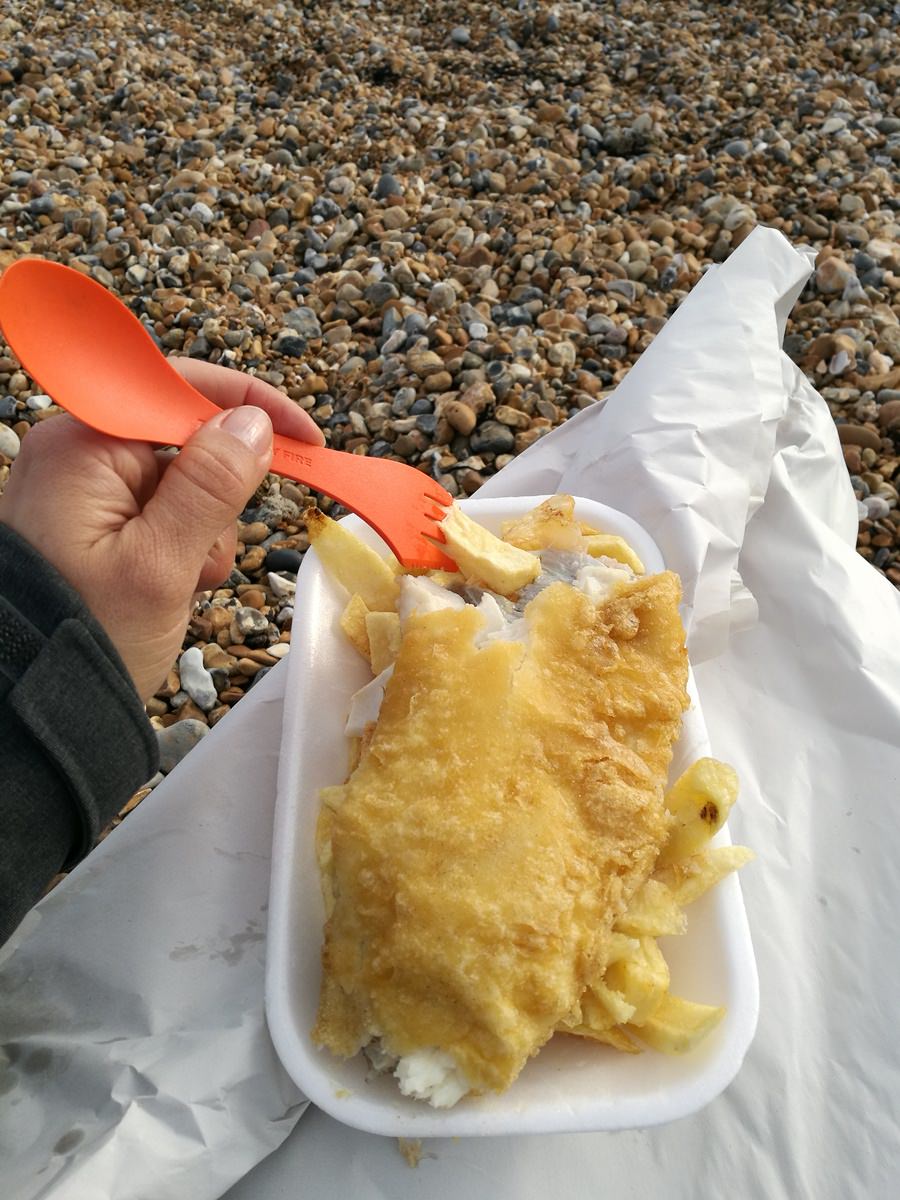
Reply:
x=208, y=484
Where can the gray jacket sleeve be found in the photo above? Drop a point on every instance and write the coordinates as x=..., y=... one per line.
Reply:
x=75, y=742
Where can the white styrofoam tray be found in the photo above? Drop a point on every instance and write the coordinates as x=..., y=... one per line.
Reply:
x=573, y=1084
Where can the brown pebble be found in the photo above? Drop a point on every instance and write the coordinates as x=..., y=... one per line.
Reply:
x=215, y=715
x=248, y=667
x=215, y=658
x=219, y=617
x=512, y=417
x=479, y=396
x=859, y=435
x=853, y=459
x=244, y=653
x=139, y=795
x=231, y=695
x=461, y=416
x=440, y=381
x=171, y=685
x=253, y=598
x=200, y=627
x=254, y=533
x=889, y=414
x=470, y=481
x=156, y=707
x=253, y=560
x=189, y=711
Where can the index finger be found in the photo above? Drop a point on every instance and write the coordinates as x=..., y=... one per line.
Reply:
x=229, y=388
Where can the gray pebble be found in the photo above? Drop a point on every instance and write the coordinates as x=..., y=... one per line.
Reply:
x=247, y=622
x=304, y=322
x=201, y=212
x=387, y=186
x=739, y=148
x=492, y=438
x=175, y=742
x=876, y=507
x=442, y=296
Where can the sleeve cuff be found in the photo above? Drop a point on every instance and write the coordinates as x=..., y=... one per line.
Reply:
x=87, y=719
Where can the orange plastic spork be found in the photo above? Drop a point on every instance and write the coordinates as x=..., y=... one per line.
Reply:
x=96, y=360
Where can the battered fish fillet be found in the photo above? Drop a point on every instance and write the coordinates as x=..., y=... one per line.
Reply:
x=508, y=805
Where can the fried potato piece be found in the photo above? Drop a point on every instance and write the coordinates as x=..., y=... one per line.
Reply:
x=610, y=545
x=484, y=558
x=353, y=623
x=678, y=1025
x=652, y=912
x=383, y=632
x=554, y=526
x=642, y=979
x=700, y=801
x=615, y=1037
x=356, y=566
x=689, y=878
x=550, y=526
x=602, y=1007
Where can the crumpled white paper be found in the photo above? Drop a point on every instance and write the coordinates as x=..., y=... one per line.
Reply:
x=133, y=1004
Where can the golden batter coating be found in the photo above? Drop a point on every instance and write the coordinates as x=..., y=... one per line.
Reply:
x=507, y=806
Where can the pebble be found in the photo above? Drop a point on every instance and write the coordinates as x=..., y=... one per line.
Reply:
x=834, y=275
x=492, y=438
x=859, y=435
x=196, y=679
x=247, y=623
x=177, y=740
x=876, y=507
x=279, y=586
x=9, y=442
x=283, y=560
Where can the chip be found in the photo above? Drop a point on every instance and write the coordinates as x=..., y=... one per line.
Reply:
x=484, y=558
x=678, y=1025
x=353, y=623
x=383, y=631
x=700, y=801
x=359, y=568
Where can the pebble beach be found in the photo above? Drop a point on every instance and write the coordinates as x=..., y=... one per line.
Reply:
x=444, y=228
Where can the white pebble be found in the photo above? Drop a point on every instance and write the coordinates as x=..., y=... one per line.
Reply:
x=196, y=680
x=279, y=586
x=202, y=212
x=876, y=507
x=9, y=442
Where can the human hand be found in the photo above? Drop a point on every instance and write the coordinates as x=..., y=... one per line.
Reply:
x=137, y=534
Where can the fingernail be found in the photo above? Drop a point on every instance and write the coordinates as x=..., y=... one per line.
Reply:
x=249, y=425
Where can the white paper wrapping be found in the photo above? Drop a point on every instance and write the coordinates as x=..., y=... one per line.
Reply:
x=133, y=1004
